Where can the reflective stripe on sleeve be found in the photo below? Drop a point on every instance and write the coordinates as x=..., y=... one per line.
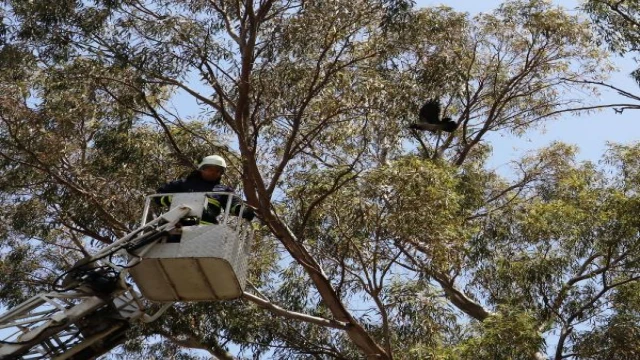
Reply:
x=214, y=202
x=165, y=200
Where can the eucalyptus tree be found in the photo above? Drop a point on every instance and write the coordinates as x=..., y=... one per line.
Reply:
x=617, y=22
x=374, y=241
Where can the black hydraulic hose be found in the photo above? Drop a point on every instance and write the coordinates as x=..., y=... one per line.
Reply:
x=144, y=240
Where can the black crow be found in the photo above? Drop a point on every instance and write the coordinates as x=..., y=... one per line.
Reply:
x=430, y=118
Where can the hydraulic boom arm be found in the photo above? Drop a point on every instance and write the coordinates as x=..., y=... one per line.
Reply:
x=89, y=314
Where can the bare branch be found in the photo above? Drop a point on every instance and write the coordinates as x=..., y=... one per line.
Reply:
x=265, y=304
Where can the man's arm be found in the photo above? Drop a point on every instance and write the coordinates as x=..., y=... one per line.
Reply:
x=170, y=187
x=236, y=203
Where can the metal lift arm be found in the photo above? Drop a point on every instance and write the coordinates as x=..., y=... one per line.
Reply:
x=84, y=319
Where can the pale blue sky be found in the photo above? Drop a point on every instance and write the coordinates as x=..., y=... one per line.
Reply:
x=589, y=132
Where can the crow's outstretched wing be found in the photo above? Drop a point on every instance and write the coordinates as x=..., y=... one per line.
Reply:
x=430, y=119
x=430, y=112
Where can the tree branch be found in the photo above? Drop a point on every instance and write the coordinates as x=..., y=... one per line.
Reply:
x=277, y=310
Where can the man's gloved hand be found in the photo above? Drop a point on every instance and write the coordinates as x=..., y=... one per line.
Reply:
x=248, y=213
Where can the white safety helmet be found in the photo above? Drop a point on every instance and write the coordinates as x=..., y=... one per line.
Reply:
x=213, y=160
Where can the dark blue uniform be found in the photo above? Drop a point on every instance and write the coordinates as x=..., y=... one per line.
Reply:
x=195, y=183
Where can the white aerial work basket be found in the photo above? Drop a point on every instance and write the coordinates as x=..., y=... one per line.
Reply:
x=209, y=263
